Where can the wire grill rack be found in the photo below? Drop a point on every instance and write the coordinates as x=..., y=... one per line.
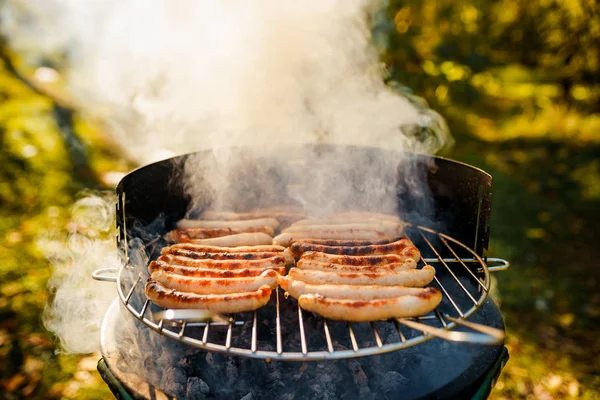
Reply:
x=283, y=331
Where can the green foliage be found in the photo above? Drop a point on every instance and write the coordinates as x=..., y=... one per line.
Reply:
x=518, y=84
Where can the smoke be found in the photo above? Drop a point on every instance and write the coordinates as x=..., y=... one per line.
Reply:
x=78, y=302
x=172, y=77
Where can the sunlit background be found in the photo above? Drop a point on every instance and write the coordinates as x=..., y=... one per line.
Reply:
x=518, y=83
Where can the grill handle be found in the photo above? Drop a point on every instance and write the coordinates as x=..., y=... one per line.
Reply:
x=496, y=264
x=485, y=335
x=105, y=274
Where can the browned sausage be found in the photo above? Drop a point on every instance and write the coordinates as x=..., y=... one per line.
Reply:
x=197, y=285
x=408, y=277
x=272, y=262
x=331, y=267
x=286, y=238
x=410, y=305
x=298, y=248
x=185, y=235
x=356, y=260
x=210, y=272
x=220, y=249
x=218, y=303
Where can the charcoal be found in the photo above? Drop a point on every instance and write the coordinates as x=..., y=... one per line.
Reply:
x=197, y=389
x=391, y=382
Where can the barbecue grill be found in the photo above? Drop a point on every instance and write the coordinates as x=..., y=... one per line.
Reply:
x=152, y=199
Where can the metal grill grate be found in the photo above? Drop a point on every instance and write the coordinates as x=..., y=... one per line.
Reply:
x=283, y=331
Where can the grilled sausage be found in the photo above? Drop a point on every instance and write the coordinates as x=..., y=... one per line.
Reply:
x=265, y=263
x=159, y=265
x=298, y=248
x=337, y=220
x=181, y=251
x=351, y=292
x=392, y=229
x=220, y=249
x=232, y=216
x=197, y=285
x=409, y=277
x=331, y=267
x=286, y=238
x=362, y=260
x=242, y=239
x=410, y=305
x=339, y=242
x=229, y=256
x=249, y=223
x=186, y=235
x=218, y=303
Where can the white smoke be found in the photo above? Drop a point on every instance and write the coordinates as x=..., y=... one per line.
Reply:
x=79, y=302
x=172, y=77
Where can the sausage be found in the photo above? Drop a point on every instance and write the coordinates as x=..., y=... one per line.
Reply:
x=200, y=255
x=338, y=242
x=185, y=235
x=286, y=238
x=337, y=220
x=219, y=249
x=393, y=229
x=361, y=260
x=192, y=223
x=265, y=263
x=409, y=277
x=210, y=272
x=197, y=285
x=352, y=292
x=218, y=303
x=410, y=305
x=298, y=248
x=324, y=266
x=232, y=216
x=242, y=239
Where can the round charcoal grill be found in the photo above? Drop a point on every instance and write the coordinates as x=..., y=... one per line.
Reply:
x=282, y=331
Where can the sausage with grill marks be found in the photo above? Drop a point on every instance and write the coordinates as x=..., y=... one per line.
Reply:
x=331, y=267
x=229, y=256
x=339, y=242
x=218, y=303
x=242, y=239
x=210, y=272
x=197, y=285
x=392, y=229
x=406, y=254
x=184, y=235
x=396, y=247
x=248, y=223
x=409, y=277
x=221, y=249
x=289, y=216
x=350, y=292
x=337, y=220
x=265, y=263
x=286, y=238
x=410, y=305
